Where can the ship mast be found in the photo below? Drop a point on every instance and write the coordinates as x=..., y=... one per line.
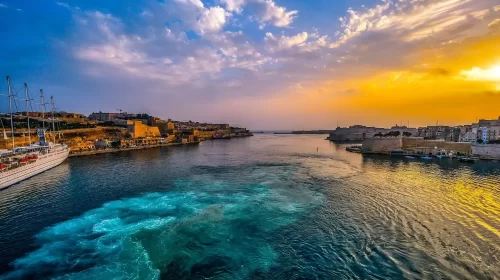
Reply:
x=53, y=118
x=10, y=109
x=27, y=111
x=42, y=108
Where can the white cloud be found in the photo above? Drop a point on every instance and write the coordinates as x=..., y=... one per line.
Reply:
x=278, y=16
x=266, y=11
x=302, y=41
x=494, y=24
x=3, y=6
x=284, y=42
x=412, y=19
x=63, y=4
x=212, y=19
x=195, y=3
x=234, y=5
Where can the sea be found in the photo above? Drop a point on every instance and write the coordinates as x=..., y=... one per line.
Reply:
x=263, y=207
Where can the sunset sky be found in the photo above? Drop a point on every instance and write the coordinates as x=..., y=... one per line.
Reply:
x=263, y=64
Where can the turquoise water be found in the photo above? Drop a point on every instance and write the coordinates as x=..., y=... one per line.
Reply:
x=266, y=207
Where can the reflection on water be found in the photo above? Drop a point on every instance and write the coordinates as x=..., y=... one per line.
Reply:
x=267, y=207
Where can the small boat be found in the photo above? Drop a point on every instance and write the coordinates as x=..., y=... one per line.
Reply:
x=427, y=158
x=409, y=157
x=354, y=149
x=468, y=160
x=397, y=153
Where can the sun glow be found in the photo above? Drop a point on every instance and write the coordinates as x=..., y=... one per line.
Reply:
x=479, y=74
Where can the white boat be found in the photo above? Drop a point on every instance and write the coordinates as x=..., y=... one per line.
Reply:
x=21, y=163
x=26, y=162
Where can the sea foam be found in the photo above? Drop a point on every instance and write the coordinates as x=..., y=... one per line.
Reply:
x=166, y=235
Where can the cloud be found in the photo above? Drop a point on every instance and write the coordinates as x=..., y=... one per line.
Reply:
x=234, y=5
x=195, y=3
x=301, y=41
x=266, y=11
x=495, y=24
x=212, y=19
x=3, y=6
x=412, y=20
x=63, y=4
x=284, y=42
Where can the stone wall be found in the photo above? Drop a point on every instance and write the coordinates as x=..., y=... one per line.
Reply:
x=491, y=151
x=382, y=144
x=409, y=143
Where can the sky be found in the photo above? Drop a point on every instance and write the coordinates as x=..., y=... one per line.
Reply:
x=261, y=64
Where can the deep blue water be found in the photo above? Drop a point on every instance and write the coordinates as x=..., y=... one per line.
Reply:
x=266, y=207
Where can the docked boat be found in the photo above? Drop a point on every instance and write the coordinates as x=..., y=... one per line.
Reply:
x=397, y=153
x=21, y=163
x=354, y=149
x=468, y=159
x=426, y=158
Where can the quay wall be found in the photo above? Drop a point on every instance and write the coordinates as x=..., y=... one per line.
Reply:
x=409, y=143
x=382, y=144
x=486, y=151
x=412, y=143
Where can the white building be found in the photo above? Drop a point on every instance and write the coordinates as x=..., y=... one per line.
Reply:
x=468, y=137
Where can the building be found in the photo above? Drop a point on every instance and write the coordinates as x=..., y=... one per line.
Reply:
x=139, y=130
x=486, y=134
x=436, y=132
x=468, y=137
x=104, y=117
x=403, y=129
x=165, y=127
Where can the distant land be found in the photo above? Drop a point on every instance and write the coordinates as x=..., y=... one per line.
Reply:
x=292, y=131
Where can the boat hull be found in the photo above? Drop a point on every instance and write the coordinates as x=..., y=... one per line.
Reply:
x=43, y=163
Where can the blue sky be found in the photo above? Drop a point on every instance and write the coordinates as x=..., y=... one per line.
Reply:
x=246, y=62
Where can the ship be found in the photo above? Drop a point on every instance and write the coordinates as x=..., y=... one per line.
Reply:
x=21, y=163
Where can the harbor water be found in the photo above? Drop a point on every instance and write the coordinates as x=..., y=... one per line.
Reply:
x=264, y=207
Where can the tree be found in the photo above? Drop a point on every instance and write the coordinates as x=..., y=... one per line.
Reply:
x=116, y=144
x=379, y=134
x=480, y=141
x=406, y=134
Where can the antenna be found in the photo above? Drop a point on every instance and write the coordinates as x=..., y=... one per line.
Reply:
x=10, y=108
x=27, y=111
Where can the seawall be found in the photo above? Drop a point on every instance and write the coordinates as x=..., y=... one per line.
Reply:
x=385, y=145
x=382, y=145
x=491, y=151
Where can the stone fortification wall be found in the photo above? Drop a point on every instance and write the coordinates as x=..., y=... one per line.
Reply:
x=409, y=143
x=486, y=151
x=382, y=144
